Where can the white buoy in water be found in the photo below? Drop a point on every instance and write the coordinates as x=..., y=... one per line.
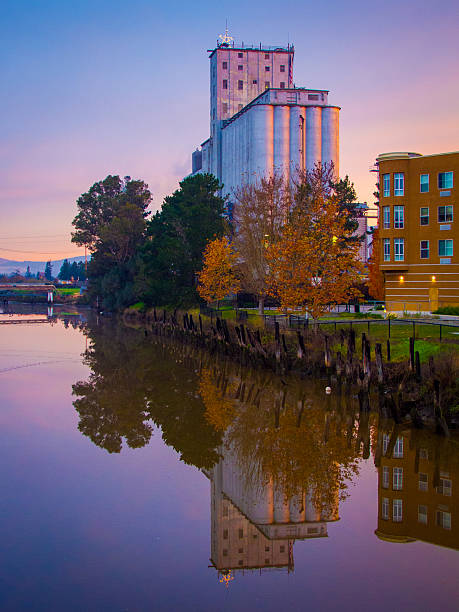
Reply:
x=328, y=390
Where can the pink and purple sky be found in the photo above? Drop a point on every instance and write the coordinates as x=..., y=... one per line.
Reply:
x=97, y=87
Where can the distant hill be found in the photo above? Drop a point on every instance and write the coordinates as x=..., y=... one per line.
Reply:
x=7, y=266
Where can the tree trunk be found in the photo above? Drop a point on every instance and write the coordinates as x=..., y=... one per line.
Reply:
x=261, y=304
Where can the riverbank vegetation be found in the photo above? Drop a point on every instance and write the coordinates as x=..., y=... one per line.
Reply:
x=293, y=244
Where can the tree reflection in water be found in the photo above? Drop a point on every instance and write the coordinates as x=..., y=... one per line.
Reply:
x=287, y=432
x=136, y=384
x=280, y=454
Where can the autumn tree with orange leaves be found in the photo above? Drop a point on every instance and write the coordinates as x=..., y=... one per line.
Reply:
x=375, y=276
x=315, y=262
x=218, y=276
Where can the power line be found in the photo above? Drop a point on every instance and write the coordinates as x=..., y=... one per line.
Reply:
x=39, y=252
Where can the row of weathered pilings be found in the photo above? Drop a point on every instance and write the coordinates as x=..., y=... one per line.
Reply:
x=398, y=390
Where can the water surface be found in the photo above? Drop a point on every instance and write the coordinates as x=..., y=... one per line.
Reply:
x=141, y=475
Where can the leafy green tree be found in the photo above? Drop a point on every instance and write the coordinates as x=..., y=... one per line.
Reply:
x=135, y=383
x=172, y=255
x=111, y=223
x=49, y=271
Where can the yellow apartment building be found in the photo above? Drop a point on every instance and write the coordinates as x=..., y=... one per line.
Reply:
x=418, y=230
x=418, y=490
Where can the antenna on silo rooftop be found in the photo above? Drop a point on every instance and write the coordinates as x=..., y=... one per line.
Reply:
x=225, y=39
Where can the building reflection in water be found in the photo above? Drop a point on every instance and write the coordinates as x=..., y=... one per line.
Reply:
x=418, y=475
x=254, y=526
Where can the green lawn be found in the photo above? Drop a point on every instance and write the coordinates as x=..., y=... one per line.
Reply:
x=68, y=291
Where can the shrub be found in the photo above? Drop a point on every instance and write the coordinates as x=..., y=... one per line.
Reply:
x=447, y=310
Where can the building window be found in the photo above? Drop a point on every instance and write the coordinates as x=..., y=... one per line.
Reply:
x=240, y=85
x=445, y=486
x=445, y=180
x=399, y=184
x=225, y=511
x=424, y=183
x=267, y=84
x=424, y=249
x=424, y=454
x=225, y=534
x=240, y=562
x=445, y=248
x=423, y=483
x=267, y=68
x=385, y=477
x=254, y=82
x=445, y=214
x=241, y=550
x=422, y=514
x=266, y=55
x=424, y=215
x=386, y=185
x=225, y=65
x=241, y=533
x=386, y=217
x=399, y=249
x=386, y=243
x=240, y=55
x=397, y=510
x=240, y=107
x=282, y=85
x=282, y=67
x=399, y=217
x=444, y=519
x=240, y=67
x=385, y=443
x=398, y=448
x=385, y=508
x=225, y=552
x=282, y=549
x=313, y=96
x=266, y=548
x=397, y=479
x=225, y=107
x=225, y=84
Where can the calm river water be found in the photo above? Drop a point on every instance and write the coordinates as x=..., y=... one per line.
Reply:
x=139, y=475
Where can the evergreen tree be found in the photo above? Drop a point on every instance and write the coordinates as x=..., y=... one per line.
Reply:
x=172, y=255
x=49, y=271
x=64, y=272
